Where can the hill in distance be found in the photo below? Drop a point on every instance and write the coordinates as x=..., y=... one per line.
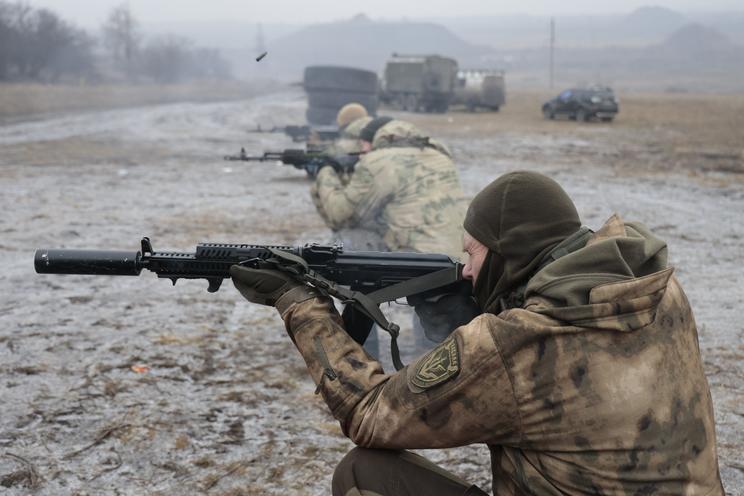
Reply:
x=361, y=42
x=697, y=39
x=652, y=21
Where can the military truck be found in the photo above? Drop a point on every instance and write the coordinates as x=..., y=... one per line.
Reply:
x=419, y=82
x=480, y=88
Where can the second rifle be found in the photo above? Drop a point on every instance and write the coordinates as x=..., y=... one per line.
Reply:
x=309, y=161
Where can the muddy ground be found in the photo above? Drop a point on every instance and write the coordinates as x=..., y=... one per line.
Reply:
x=131, y=386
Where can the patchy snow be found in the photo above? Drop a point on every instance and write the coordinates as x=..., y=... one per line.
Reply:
x=130, y=386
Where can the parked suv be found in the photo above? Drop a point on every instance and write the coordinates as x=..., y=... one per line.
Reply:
x=583, y=105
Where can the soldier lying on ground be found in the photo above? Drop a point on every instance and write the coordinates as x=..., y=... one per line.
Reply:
x=583, y=374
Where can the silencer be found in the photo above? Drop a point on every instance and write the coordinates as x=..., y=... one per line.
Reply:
x=93, y=262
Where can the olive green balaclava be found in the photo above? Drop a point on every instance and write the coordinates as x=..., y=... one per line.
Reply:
x=520, y=217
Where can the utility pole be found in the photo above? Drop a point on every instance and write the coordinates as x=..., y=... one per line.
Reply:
x=552, y=51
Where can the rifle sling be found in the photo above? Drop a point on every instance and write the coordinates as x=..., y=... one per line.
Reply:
x=414, y=286
x=364, y=304
x=368, y=304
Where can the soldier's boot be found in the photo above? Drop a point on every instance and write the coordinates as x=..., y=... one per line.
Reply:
x=377, y=472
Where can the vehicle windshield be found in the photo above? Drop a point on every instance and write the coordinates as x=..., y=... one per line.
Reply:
x=603, y=94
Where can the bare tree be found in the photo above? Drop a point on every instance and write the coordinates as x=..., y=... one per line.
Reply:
x=6, y=39
x=166, y=59
x=121, y=35
x=173, y=59
x=36, y=44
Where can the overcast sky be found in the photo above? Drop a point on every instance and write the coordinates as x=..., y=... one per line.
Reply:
x=91, y=13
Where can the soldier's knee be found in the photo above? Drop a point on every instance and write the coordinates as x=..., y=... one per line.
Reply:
x=343, y=476
x=351, y=470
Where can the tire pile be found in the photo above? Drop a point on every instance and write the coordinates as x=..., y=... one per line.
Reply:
x=329, y=88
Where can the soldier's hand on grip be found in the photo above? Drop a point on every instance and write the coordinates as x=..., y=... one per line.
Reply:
x=443, y=314
x=262, y=286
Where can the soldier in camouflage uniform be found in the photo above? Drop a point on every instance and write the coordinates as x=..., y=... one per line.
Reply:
x=404, y=195
x=405, y=190
x=583, y=375
x=348, y=143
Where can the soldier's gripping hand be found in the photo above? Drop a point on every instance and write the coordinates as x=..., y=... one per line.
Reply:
x=267, y=287
x=441, y=315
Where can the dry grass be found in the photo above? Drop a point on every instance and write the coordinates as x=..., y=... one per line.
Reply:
x=19, y=101
x=710, y=119
x=691, y=131
x=76, y=150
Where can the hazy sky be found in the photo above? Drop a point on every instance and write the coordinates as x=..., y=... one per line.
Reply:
x=92, y=12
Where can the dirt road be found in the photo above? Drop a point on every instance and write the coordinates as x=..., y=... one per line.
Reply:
x=131, y=386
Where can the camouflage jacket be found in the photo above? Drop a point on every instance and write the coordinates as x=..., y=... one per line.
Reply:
x=598, y=394
x=404, y=190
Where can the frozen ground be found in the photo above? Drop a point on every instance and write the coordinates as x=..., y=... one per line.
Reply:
x=130, y=386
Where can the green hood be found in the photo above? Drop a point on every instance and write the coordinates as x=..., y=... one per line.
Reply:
x=614, y=282
x=354, y=128
x=402, y=134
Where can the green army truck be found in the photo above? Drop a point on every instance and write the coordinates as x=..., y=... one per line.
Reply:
x=419, y=82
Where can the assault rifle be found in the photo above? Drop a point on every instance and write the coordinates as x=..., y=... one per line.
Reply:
x=361, y=280
x=302, y=133
x=309, y=161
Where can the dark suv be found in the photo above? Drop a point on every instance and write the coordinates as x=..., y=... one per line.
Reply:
x=583, y=105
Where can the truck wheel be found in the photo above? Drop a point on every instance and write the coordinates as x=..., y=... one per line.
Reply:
x=441, y=107
x=582, y=116
x=411, y=103
x=606, y=119
x=548, y=113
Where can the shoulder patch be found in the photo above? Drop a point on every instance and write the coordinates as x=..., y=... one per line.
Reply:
x=438, y=366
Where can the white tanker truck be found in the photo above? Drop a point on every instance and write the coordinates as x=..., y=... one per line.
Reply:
x=480, y=88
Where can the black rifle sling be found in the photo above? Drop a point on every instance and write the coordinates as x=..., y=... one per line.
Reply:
x=296, y=265
x=414, y=286
x=368, y=304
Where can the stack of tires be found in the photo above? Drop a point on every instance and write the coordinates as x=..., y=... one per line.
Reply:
x=329, y=88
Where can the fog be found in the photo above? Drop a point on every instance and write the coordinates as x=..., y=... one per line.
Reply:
x=686, y=45
x=116, y=117
x=297, y=11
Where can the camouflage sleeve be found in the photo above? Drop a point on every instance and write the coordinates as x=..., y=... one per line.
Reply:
x=457, y=394
x=316, y=197
x=347, y=205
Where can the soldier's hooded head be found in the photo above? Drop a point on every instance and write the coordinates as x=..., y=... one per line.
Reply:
x=349, y=113
x=368, y=132
x=520, y=217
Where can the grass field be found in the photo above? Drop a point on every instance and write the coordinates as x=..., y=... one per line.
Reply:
x=21, y=101
x=694, y=132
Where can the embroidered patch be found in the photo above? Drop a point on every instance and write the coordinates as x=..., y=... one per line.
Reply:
x=439, y=365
